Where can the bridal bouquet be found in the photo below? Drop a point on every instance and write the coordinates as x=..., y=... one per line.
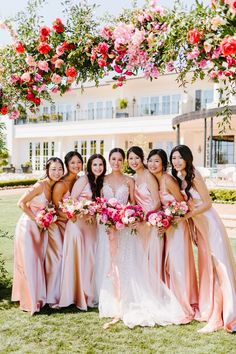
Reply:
x=45, y=217
x=131, y=215
x=174, y=208
x=109, y=213
x=72, y=207
x=158, y=219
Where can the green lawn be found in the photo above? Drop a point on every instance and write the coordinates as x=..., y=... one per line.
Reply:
x=73, y=331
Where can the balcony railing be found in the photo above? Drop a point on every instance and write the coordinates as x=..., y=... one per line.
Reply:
x=94, y=114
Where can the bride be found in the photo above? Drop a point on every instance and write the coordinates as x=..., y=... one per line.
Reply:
x=123, y=292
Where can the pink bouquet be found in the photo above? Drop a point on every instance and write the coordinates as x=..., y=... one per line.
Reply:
x=158, y=219
x=45, y=217
x=72, y=207
x=131, y=215
x=109, y=213
x=174, y=208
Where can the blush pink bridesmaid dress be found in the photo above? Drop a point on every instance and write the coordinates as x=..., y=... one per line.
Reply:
x=77, y=278
x=179, y=267
x=217, y=271
x=153, y=245
x=29, y=286
x=53, y=259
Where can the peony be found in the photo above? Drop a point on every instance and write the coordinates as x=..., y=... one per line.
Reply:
x=43, y=48
x=26, y=77
x=43, y=65
x=193, y=36
x=71, y=71
x=4, y=110
x=228, y=46
x=56, y=79
x=19, y=47
x=58, y=26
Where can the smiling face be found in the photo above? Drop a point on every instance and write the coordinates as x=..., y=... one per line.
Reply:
x=178, y=162
x=97, y=167
x=134, y=161
x=116, y=161
x=154, y=164
x=75, y=165
x=55, y=171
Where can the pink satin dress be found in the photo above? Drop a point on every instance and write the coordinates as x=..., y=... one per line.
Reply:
x=77, y=278
x=179, y=267
x=217, y=271
x=153, y=245
x=29, y=287
x=53, y=259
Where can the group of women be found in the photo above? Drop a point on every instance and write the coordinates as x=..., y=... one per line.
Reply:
x=144, y=279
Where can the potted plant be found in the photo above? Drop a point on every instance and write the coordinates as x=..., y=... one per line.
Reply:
x=123, y=103
x=26, y=167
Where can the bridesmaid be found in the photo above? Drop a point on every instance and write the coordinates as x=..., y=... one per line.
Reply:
x=179, y=267
x=147, y=195
x=217, y=272
x=80, y=242
x=29, y=280
x=53, y=260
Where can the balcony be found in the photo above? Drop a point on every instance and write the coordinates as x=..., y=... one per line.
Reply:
x=95, y=114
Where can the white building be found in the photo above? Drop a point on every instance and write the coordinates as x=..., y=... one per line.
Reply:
x=159, y=115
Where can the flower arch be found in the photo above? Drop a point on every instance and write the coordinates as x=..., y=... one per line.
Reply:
x=43, y=59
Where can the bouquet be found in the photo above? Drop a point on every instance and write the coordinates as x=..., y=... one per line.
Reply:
x=109, y=213
x=174, y=208
x=72, y=207
x=131, y=215
x=158, y=219
x=45, y=217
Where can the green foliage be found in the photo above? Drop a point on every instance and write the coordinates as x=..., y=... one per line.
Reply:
x=223, y=195
x=18, y=182
x=123, y=103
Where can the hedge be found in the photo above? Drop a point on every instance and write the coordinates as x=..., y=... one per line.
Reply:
x=223, y=195
x=18, y=182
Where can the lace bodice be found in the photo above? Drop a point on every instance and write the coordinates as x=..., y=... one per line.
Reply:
x=121, y=193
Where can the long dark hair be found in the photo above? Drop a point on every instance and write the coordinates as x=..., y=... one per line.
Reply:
x=187, y=155
x=121, y=151
x=162, y=154
x=50, y=161
x=137, y=151
x=96, y=184
x=69, y=156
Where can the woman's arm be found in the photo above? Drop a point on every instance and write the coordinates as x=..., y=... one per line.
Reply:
x=173, y=188
x=131, y=190
x=154, y=190
x=58, y=192
x=27, y=197
x=79, y=187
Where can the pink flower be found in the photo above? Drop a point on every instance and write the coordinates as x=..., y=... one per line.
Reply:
x=194, y=54
x=71, y=71
x=54, y=89
x=54, y=59
x=228, y=46
x=58, y=63
x=165, y=223
x=193, y=36
x=15, y=114
x=60, y=50
x=103, y=47
x=105, y=33
x=15, y=78
x=56, y=79
x=70, y=79
x=117, y=69
x=207, y=46
x=19, y=47
x=38, y=78
x=43, y=65
x=26, y=77
x=102, y=63
x=119, y=225
x=202, y=64
x=30, y=61
x=42, y=88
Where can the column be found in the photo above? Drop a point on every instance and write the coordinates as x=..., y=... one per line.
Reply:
x=205, y=140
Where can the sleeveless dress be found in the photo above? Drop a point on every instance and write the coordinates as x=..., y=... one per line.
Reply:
x=53, y=259
x=217, y=271
x=135, y=303
x=29, y=286
x=77, y=277
x=153, y=245
x=179, y=267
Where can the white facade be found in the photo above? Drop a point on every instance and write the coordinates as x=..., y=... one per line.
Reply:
x=91, y=121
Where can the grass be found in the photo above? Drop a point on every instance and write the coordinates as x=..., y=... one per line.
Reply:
x=72, y=331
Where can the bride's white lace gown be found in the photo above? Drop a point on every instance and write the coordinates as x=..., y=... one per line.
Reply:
x=136, y=304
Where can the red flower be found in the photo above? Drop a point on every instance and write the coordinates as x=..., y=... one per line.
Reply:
x=44, y=31
x=19, y=47
x=102, y=63
x=117, y=69
x=4, y=110
x=30, y=96
x=43, y=48
x=103, y=47
x=67, y=46
x=228, y=46
x=194, y=36
x=37, y=101
x=71, y=71
x=58, y=26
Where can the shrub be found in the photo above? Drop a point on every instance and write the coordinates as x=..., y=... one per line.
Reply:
x=223, y=195
x=12, y=183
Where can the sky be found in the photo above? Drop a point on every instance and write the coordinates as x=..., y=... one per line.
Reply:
x=53, y=9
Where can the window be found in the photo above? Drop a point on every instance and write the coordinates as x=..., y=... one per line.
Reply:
x=53, y=109
x=207, y=97
x=84, y=150
x=45, y=153
x=30, y=151
x=101, y=147
x=90, y=110
x=109, y=110
x=144, y=108
x=198, y=103
x=76, y=146
x=223, y=149
x=175, y=104
x=169, y=147
x=99, y=110
x=52, y=148
x=37, y=156
x=93, y=147
x=165, y=104
x=154, y=106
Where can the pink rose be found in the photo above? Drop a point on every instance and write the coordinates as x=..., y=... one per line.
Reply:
x=58, y=63
x=194, y=36
x=60, y=50
x=165, y=223
x=194, y=54
x=54, y=59
x=228, y=46
x=119, y=225
x=56, y=79
x=15, y=114
x=26, y=77
x=43, y=65
x=30, y=61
